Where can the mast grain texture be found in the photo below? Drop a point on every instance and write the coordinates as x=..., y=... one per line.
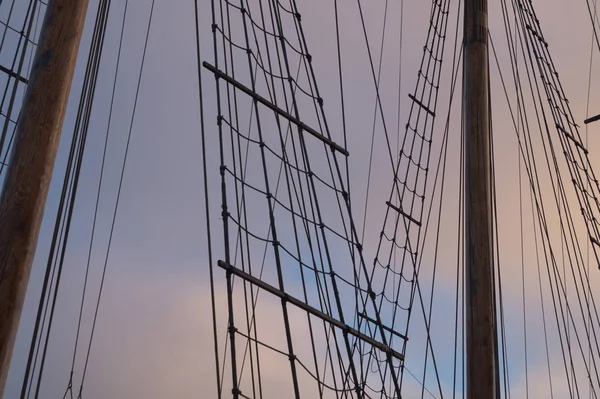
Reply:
x=28, y=176
x=480, y=333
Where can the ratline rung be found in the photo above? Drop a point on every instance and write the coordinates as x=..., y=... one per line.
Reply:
x=306, y=307
x=367, y=318
x=220, y=74
x=570, y=136
x=592, y=119
x=13, y=74
x=537, y=35
x=400, y=211
x=420, y=104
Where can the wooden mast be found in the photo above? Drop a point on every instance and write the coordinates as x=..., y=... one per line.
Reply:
x=481, y=345
x=28, y=176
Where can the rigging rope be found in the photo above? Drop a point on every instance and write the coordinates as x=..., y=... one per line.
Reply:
x=259, y=57
x=56, y=258
x=54, y=267
x=287, y=217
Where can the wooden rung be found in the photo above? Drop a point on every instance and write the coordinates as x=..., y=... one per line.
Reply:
x=592, y=119
x=220, y=74
x=367, y=318
x=400, y=211
x=13, y=74
x=573, y=139
x=309, y=309
x=537, y=35
x=420, y=104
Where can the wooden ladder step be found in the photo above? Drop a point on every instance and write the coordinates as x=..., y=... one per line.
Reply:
x=592, y=119
x=573, y=139
x=13, y=74
x=400, y=211
x=420, y=104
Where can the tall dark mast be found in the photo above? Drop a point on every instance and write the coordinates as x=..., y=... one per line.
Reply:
x=28, y=177
x=481, y=344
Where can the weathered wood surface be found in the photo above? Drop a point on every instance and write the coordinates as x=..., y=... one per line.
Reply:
x=480, y=333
